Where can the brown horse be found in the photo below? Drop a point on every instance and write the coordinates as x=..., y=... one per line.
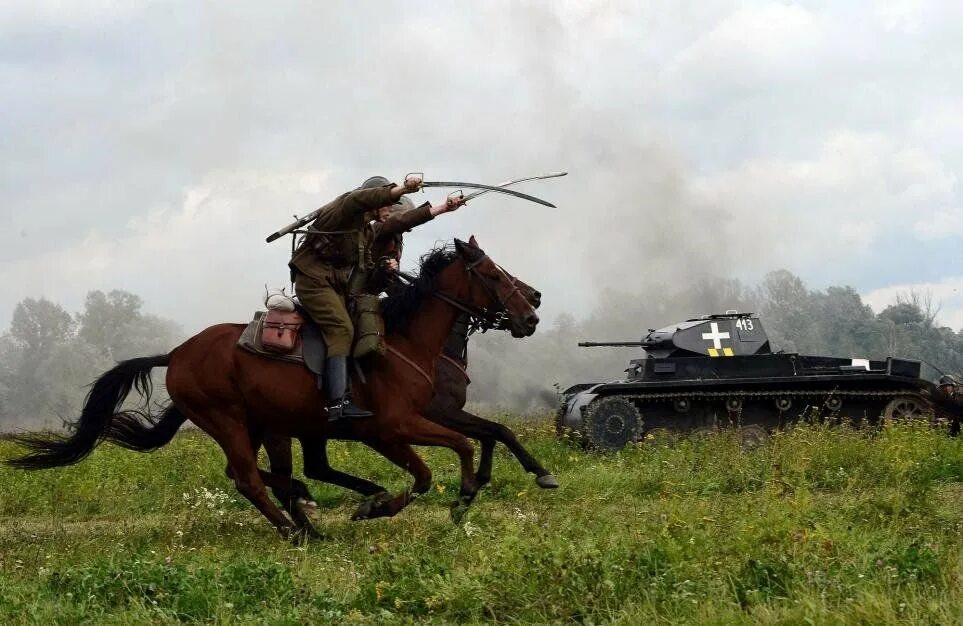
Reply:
x=234, y=396
x=446, y=408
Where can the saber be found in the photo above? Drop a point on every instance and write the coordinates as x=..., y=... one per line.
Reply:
x=510, y=192
x=509, y=183
x=483, y=189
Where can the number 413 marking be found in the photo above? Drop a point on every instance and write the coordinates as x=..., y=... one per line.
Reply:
x=744, y=323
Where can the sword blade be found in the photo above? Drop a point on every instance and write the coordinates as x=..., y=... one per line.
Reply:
x=509, y=183
x=510, y=192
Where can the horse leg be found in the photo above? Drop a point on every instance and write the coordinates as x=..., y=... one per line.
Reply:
x=242, y=459
x=488, y=433
x=423, y=432
x=320, y=469
x=405, y=457
x=484, y=473
x=290, y=492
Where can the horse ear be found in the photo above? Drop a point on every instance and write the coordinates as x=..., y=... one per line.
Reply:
x=471, y=241
x=460, y=245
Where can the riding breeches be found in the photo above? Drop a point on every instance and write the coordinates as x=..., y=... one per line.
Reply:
x=324, y=302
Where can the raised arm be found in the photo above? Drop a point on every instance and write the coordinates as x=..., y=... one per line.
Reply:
x=404, y=221
x=360, y=201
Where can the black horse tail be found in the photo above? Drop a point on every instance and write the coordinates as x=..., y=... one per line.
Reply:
x=101, y=420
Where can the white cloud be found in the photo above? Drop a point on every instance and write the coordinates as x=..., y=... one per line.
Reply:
x=752, y=45
x=903, y=15
x=832, y=208
x=940, y=224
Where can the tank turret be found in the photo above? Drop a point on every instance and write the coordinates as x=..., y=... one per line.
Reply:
x=727, y=334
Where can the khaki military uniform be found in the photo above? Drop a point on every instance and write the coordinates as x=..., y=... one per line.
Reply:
x=334, y=261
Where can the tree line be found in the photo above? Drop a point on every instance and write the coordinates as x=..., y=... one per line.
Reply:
x=48, y=356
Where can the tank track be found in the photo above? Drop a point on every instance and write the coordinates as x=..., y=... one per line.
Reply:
x=770, y=393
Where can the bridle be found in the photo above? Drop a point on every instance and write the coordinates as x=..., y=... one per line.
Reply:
x=481, y=318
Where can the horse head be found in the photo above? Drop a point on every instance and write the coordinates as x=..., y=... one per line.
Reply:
x=488, y=287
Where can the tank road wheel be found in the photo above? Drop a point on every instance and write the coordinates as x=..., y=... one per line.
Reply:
x=734, y=408
x=753, y=436
x=701, y=433
x=783, y=404
x=610, y=423
x=904, y=409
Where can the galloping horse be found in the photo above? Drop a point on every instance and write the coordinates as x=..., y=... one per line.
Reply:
x=234, y=395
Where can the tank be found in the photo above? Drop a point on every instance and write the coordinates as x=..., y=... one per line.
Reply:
x=719, y=371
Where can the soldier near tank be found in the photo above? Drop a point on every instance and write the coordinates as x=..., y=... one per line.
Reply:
x=949, y=402
x=334, y=263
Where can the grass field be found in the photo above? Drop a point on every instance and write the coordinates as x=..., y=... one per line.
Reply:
x=820, y=525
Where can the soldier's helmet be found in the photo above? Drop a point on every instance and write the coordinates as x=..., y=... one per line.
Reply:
x=375, y=181
x=403, y=204
x=948, y=381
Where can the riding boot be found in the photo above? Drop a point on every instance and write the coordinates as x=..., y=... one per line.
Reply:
x=339, y=398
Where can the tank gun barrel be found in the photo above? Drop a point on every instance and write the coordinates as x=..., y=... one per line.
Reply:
x=614, y=344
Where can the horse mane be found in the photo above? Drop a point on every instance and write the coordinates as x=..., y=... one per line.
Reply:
x=398, y=308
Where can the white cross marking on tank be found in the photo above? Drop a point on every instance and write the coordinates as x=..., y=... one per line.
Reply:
x=715, y=335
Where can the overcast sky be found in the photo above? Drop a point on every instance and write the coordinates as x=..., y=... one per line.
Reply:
x=152, y=146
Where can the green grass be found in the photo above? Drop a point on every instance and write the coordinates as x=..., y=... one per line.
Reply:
x=821, y=525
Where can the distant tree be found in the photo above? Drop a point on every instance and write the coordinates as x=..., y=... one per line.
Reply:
x=113, y=324
x=39, y=325
x=903, y=314
x=67, y=373
x=787, y=309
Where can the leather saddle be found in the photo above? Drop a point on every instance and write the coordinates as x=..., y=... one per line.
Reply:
x=307, y=346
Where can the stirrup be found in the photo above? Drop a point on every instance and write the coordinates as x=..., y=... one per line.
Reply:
x=346, y=409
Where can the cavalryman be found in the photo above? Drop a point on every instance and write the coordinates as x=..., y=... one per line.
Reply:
x=335, y=259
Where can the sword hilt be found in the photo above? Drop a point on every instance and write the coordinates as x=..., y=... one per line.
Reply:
x=420, y=175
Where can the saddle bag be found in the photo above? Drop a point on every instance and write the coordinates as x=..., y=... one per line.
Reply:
x=369, y=326
x=281, y=330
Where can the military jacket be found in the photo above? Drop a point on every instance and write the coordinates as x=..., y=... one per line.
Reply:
x=344, y=238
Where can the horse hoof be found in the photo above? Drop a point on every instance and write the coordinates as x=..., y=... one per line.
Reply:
x=303, y=503
x=368, y=508
x=363, y=511
x=310, y=532
x=305, y=510
x=547, y=482
x=458, y=510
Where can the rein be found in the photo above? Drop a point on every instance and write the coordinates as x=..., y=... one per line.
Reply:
x=417, y=368
x=461, y=368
